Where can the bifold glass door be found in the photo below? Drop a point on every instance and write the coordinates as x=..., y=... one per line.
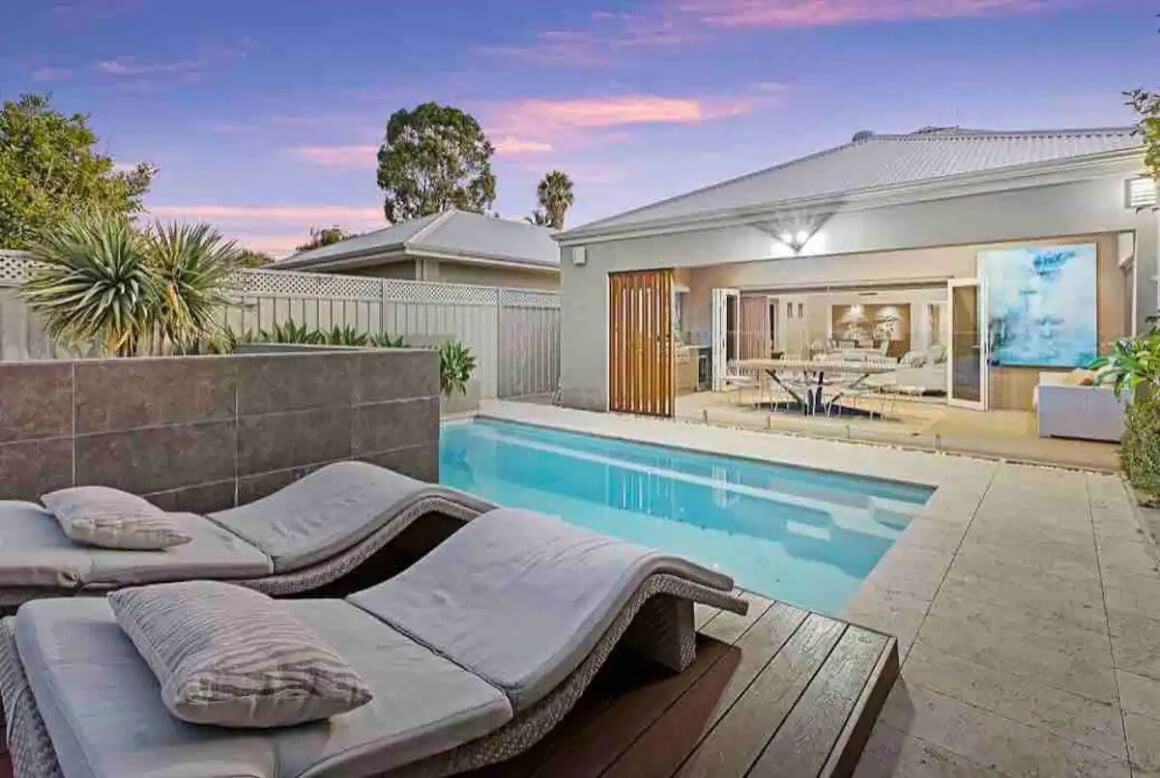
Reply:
x=967, y=357
x=725, y=333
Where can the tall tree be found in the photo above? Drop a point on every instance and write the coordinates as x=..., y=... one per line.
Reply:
x=251, y=258
x=49, y=169
x=539, y=218
x=434, y=158
x=325, y=237
x=555, y=195
x=1146, y=104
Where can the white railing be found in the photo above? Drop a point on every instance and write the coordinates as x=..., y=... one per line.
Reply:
x=514, y=333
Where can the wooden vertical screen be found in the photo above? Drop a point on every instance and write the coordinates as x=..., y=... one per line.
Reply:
x=640, y=343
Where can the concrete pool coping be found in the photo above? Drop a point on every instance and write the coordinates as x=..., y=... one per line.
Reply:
x=1026, y=601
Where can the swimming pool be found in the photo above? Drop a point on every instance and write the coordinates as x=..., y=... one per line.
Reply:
x=803, y=536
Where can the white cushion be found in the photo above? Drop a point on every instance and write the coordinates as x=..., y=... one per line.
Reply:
x=110, y=518
x=234, y=657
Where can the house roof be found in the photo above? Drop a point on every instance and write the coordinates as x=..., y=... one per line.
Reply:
x=871, y=161
x=454, y=233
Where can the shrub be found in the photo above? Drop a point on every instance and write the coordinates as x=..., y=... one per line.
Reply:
x=456, y=364
x=1140, y=448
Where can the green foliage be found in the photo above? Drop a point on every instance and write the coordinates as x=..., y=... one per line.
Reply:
x=291, y=332
x=325, y=237
x=555, y=195
x=92, y=283
x=100, y=283
x=1147, y=107
x=1132, y=363
x=1140, y=447
x=384, y=340
x=346, y=336
x=434, y=158
x=539, y=218
x=193, y=265
x=456, y=364
x=49, y=169
x=251, y=258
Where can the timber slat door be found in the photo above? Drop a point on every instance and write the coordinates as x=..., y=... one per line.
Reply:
x=640, y=343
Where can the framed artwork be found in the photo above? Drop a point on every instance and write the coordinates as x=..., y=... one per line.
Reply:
x=1041, y=305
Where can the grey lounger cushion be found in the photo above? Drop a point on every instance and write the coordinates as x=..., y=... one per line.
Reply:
x=327, y=511
x=34, y=552
x=111, y=518
x=234, y=657
x=102, y=706
x=520, y=598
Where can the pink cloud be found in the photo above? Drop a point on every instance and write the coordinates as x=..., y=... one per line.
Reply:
x=191, y=69
x=616, y=111
x=554, y=47
x=51, y=74
x=823, y=13
x=309, y=214
x=357, y=156
x=512, y=145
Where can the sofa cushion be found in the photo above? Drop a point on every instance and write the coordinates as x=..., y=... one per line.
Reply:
x=234, y=657
x=110, y=518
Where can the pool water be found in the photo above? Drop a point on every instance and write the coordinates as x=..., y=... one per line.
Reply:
x=803, y=536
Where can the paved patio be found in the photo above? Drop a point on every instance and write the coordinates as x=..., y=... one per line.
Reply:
x=1026, y=601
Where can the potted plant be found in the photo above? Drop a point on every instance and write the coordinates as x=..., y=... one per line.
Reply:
x=456, y=364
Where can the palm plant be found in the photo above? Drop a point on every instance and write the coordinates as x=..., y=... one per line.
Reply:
x=193, y=264
x=555, y=195
x=93, y=284
x=539, y=218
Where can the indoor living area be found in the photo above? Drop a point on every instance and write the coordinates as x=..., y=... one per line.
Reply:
x=975, y=349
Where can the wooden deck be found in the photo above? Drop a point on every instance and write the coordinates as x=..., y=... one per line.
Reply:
x=778, y=692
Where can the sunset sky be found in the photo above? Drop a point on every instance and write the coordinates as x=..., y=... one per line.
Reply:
x=264, y=115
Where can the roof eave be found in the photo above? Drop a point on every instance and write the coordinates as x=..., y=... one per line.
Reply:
x=479, y=258
x=391, y=251
x=1080, y=168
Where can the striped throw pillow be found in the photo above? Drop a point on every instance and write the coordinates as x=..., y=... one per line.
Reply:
x=109, y=518
x=233, y=657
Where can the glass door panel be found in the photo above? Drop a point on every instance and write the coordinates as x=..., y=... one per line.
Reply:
x=966, y=362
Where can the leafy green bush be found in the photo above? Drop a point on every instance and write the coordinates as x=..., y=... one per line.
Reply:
x=456, y=364
x=1140, y=448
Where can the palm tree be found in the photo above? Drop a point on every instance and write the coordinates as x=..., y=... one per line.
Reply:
x=555, y=195
x=92, y=283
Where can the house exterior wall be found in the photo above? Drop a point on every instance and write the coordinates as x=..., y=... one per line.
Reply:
x=1023, y=215
x=404, y=269
x=484, y=275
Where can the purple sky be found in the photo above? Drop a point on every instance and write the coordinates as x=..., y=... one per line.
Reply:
x=264, y=115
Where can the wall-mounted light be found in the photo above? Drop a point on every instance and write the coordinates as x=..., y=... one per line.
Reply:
x=1140, y=193
x=795, y=240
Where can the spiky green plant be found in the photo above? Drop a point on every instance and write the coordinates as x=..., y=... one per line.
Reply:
x=456, y=364
x=291, y=332
x=345, y=336
x=384, y=340
x=193, y=264
x=93, y=284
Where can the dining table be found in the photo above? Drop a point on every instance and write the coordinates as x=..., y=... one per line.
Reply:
x=815, y=371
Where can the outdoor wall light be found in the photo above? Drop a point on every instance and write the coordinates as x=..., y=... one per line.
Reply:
x=795, y=240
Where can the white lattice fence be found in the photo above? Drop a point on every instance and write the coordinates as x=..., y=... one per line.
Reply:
x=514, y=333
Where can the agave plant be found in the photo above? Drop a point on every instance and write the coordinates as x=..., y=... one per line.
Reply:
x=291, y=332
x=93, y=283
x=346, y=336
x=456, y=364
x=384, y=340
x=193, y=264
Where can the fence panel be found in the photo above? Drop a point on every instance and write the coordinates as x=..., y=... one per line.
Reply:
x=514, y=333
x=529, y=359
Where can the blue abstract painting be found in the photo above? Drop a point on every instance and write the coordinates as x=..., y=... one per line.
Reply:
x=1041, y=305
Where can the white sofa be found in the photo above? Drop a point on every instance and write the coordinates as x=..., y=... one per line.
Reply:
x=1069, y=410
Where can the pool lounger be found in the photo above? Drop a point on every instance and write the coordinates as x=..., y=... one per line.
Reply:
x=306, y=535
x=473, y=654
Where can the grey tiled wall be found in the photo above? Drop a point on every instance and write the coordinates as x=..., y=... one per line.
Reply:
x=204, y=433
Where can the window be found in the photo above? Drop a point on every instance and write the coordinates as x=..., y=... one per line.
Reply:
x=789, y=310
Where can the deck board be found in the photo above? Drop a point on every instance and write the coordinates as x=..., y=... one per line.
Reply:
x=780, y=691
